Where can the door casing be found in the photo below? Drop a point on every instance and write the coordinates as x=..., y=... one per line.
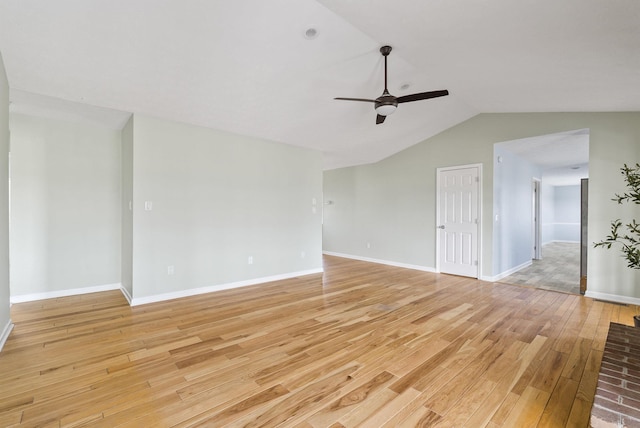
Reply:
x=535, y=220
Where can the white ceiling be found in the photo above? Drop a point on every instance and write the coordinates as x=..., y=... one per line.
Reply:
x=246, y=67
x=563, y=157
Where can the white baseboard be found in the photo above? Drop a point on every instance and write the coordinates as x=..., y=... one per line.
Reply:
x=382, y=262
x=126, y=295
x=559, y=241
x=508, y=272
x=63, y=293
x=5, y=334
x=612, y=297
x=136, y=301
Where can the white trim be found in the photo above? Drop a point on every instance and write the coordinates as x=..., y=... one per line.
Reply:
x=126, y=295
x=480, y=207
x=507, y=272
x=536, y=226
x=5, y=333
x=63, y=293
x=136, y=301
x=612, y=297
x=382, y=262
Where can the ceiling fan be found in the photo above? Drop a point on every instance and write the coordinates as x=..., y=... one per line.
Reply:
x=386, y=103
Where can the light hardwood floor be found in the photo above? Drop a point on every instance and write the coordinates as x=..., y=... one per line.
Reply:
x=362, y=345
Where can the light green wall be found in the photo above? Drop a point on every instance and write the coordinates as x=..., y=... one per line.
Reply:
x=392, y=203
x=5, y=317
x=65, y=203
x=218, y=199
x=126, y=205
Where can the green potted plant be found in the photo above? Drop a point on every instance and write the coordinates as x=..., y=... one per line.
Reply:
x=627, y=235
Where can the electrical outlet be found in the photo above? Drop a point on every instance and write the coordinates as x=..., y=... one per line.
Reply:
x=170, y=270
x=250, y=260
x=302, y=254
x=368, y=244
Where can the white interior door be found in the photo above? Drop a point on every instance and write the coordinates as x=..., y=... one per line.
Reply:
x=458, y=220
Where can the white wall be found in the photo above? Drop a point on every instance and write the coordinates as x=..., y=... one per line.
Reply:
x=65, y=207
x=567, y=213
x=218, y=199
x=560, y=213
x=395, y=199
x=5, y=316
x=547, y=212
x=513, y=205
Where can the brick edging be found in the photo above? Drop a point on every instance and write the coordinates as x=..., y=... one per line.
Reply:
x=617, y=399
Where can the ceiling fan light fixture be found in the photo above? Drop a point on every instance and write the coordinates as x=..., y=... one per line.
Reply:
x=386, y=109
x=385, y=104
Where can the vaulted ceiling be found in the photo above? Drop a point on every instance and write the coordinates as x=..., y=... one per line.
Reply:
x=249, y=67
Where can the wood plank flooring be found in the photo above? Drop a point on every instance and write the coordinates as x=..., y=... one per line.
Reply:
x=362, y=345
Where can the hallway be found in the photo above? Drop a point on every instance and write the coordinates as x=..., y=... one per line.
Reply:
x=558, y=270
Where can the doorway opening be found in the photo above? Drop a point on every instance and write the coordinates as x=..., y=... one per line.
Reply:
x=538, y=210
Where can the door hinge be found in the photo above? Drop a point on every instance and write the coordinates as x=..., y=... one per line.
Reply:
x=477, y=179
x=475, y=263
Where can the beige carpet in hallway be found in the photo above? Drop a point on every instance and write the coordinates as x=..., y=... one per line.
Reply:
x=559, y=269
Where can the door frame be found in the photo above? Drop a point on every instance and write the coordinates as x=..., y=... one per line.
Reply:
x=536, y=229
x=435, y=226
x=584, y=233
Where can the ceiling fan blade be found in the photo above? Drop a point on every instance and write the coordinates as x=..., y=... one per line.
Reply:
x=380, y=119
x=422, y=96
x=355, y=99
